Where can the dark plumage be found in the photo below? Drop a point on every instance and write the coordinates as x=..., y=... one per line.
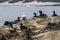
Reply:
x=24, y=18
x=12, y=31
x=41, y=14
x=22, y=27
x=54, y=14
x=11, y=24
x=18, y=20
x=51, y=25
x=35, y=15
x=28, y=33
x=6, y=23
x=2, y=37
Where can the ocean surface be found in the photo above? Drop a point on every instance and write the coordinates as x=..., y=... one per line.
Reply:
x=11, y=12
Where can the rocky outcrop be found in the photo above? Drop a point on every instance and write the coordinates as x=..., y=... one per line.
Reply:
x=39, y=27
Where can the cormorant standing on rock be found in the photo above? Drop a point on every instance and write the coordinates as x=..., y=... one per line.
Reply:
x=41, y=14
x=9, y=24
x=12, y=31
x=51, y=25
x=35, y=15
x=54, y=14
x=22, y=27
x=6, y=23
x=18, y=19
x=28, y=33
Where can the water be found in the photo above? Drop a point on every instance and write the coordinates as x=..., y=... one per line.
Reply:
x=11, y=12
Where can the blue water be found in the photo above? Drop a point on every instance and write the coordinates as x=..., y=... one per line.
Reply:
x=11, y=12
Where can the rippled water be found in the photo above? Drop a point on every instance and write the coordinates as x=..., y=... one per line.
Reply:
x=11, y=12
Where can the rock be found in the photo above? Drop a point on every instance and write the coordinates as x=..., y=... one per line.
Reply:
x=38, y=27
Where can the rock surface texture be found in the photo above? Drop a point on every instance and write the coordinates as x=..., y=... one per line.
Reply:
x=39, y=27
